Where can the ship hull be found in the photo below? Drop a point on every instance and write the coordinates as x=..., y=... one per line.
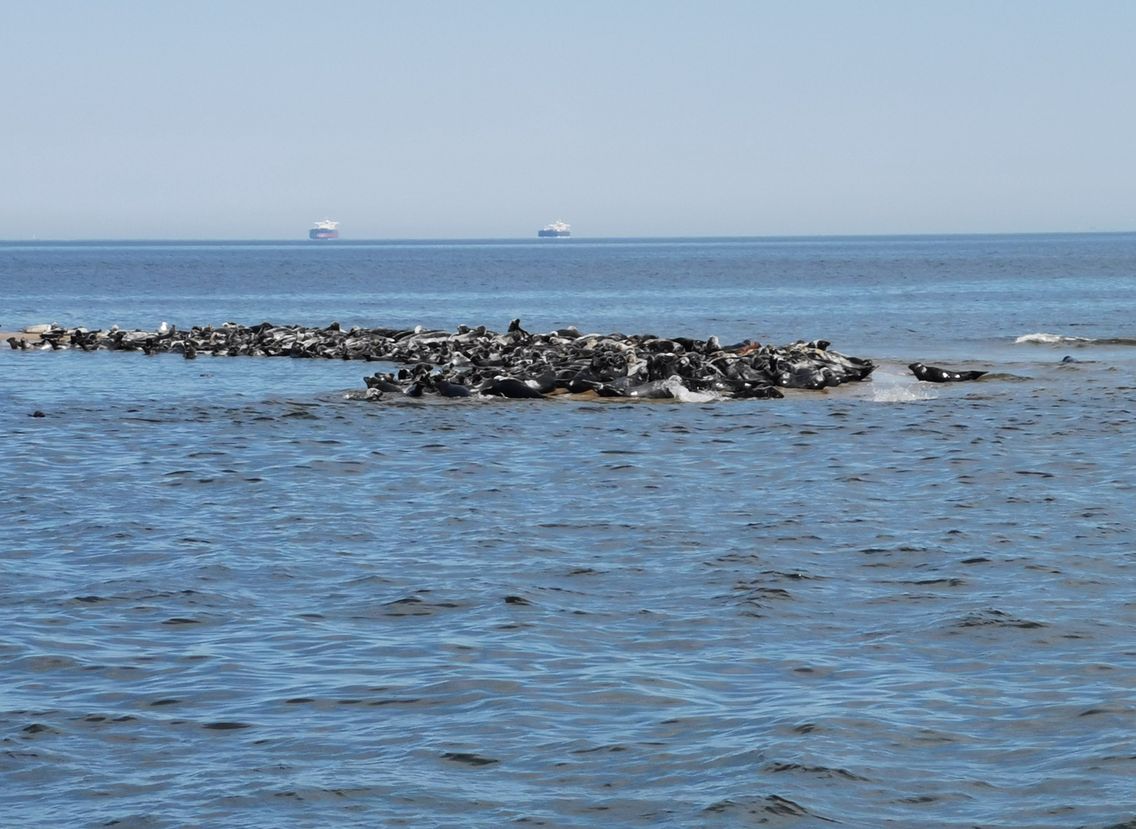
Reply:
x=323, y=234
x=553, y=233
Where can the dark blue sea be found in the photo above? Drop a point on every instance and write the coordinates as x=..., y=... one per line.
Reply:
x=232, y=596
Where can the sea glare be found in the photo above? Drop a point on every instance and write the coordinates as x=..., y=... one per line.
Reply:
x=230, y=596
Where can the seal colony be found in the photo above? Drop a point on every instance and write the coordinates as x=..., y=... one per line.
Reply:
x=474, y=361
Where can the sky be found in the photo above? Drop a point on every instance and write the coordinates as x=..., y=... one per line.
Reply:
x=251, y=119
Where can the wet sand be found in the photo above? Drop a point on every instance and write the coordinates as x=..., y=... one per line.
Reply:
x=19, y=335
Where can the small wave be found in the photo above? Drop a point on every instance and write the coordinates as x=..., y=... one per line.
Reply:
x=1049, y=339
x=1061, y=339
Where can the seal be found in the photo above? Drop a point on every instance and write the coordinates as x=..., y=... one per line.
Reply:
x=656, y=389
x=509, y=387
x=449, y=389
x=382, y=382
x=934, y=374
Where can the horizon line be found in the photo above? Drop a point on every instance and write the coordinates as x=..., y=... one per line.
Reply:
x=548, y=241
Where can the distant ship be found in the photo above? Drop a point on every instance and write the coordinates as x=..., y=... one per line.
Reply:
x=324, y=229
x=555, y=229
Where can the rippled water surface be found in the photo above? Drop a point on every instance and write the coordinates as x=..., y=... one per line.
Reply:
x=231, y=596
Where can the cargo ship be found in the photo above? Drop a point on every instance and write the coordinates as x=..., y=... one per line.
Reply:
x=324, y=229
x=557, y=228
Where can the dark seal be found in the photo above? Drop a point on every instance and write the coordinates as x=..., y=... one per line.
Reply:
x=509, y=387
x=934, y=374
x=447, y=389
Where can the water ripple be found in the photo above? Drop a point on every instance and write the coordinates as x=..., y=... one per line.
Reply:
x=292, y=608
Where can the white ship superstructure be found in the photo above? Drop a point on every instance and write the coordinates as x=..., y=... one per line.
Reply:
x=557, y=228
x=324, y=229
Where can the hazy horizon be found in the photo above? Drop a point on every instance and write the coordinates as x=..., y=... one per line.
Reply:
x=301, y=238
x=443, y=120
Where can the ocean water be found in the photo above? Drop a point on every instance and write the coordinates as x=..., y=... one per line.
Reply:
x=232, y=596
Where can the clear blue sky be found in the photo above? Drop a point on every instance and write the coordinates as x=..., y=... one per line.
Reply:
x=253, y=118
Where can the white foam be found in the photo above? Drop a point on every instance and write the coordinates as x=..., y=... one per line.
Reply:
x=681, y=393
x=1049, y=339
x=685, y=395
x=903, y=394
x=900, y=388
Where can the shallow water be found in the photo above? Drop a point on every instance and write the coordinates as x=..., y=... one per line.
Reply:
x=231, y=596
